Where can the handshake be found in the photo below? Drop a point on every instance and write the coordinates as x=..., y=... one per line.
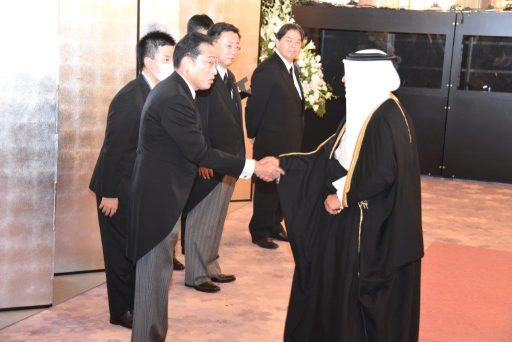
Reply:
x=268, y=169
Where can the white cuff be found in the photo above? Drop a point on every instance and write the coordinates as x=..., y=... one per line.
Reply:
x=250, y=165
x=339, y=185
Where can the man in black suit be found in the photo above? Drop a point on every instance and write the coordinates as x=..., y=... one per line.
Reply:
x=207, y=206
x=111, y=178
x=197, y=23
x=171, y=146
x=274, y=120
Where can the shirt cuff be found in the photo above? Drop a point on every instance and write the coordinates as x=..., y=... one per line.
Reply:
x=339, y=185
x=249, y=166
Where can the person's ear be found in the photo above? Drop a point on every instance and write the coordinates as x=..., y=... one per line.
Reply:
x=187, y=63
x=147, y=62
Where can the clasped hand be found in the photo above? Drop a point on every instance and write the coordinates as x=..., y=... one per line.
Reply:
x=268, y=169
x=332, y=204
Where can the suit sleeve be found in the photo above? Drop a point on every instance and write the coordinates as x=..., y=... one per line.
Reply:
x=181, y=122
x=123, y=117
x=261, y=89
x=376, y=168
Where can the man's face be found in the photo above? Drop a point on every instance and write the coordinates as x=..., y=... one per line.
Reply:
x=161, y=66
x=227, y=45
x=164, y=54
x=289, y=45
x=201, y=71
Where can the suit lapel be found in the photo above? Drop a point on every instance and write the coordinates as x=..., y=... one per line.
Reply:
x=285, y=75
x=236, y=101
x=297, y=75
x=143, y=85
x=225, y=90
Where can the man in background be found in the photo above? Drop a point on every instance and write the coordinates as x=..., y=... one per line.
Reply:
x=112, y=174
x=274, y=120
x=199, y=23
x=207, y=206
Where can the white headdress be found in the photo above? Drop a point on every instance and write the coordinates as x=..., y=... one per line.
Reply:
x=369, y=78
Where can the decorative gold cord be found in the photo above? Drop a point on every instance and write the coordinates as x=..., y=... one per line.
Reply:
x=394, y=98
x=362, y=205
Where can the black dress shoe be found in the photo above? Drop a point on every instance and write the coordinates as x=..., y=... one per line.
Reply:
x=223, y=278
x=177, y=265
x=279, y=233
x=266, y=243
x=125, y=320
x=207, y=286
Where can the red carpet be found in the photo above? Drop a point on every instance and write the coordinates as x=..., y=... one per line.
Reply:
x=466, y=294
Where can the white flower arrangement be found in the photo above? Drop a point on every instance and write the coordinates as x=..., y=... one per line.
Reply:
x=276, y=13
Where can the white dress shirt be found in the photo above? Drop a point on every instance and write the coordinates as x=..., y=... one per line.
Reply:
x=288, y=66
x=250, y=164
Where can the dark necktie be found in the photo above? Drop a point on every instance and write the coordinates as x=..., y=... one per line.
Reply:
x=228, y=81
x=291, y=72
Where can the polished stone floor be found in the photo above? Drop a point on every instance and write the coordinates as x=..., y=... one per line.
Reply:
x=253, y=308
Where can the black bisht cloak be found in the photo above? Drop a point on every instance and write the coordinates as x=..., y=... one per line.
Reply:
x=357, y=273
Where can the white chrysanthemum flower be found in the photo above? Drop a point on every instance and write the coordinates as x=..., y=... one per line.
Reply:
x=310, y=46
x=316, y=90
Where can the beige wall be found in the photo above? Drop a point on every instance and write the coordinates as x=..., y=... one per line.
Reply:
x=97, y=58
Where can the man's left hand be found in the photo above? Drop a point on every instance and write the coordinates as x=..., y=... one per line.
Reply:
x=332, y=204
x=205, y=172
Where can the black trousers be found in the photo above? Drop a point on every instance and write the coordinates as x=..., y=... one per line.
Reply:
x=267, y=216
x=119, y=270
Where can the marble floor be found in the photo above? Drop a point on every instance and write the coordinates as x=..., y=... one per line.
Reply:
x=466, y=213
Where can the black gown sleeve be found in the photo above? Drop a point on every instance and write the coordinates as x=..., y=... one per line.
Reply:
x=376, y=170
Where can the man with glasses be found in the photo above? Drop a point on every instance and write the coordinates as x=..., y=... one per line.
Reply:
x=171, y=146
x=221, y=114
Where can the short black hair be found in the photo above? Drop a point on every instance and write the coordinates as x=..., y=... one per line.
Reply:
x=217, y=29
x=288, y=27
x=149, y=44
x=189, y=46
x=199, y=21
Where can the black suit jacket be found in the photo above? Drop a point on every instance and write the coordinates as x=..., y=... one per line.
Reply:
x=221, y=117
x=171, y=146
x=274, y=112
x=113, y=171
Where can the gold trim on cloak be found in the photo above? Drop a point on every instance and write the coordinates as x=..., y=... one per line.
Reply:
x=317, y=149
x=357, y=150
x=308, y=153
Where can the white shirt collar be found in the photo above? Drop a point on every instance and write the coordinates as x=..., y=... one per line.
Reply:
x=189, y=86
x=286, y=63
x=222, y=71
x=151, y=84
